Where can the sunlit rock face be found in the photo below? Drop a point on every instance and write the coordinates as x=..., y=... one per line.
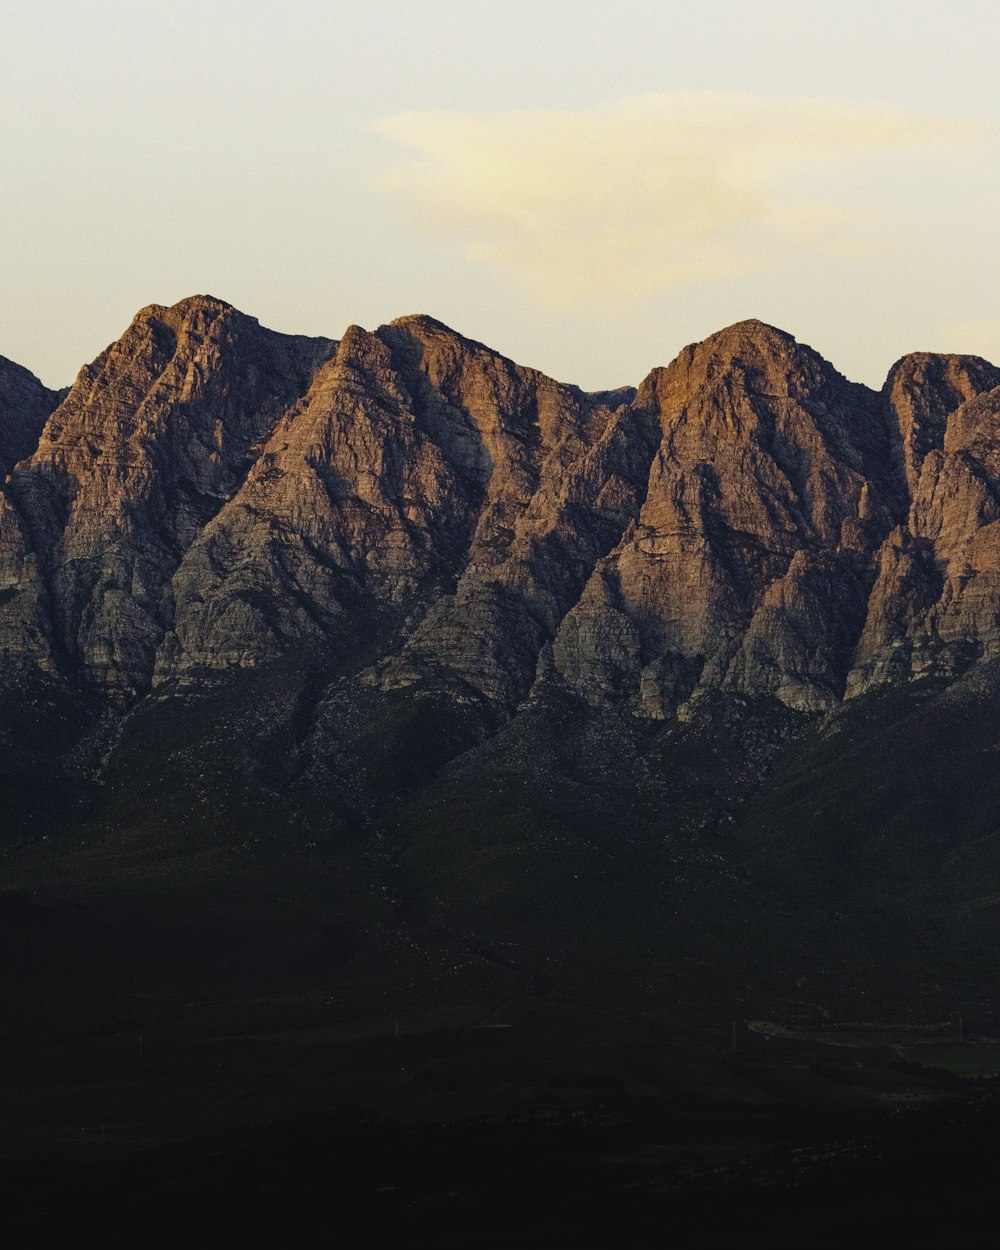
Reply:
x=427, y=474
x=210, y=495
x=140, y=455
x=747, y=565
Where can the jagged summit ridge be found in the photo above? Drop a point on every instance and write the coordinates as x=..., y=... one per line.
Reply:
x=210, y=495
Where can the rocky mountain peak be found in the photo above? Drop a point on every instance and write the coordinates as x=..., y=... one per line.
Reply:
x=188, y=309
x=769, y=490
x=750, y=340
x=151, y=439
x=424, y=323
x=922, y=390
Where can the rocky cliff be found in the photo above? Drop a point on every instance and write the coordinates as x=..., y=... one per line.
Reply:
x=211, y=496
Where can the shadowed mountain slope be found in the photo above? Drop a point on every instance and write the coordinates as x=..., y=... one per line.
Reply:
x=25, y=405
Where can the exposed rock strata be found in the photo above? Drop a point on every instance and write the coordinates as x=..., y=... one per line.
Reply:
x=140, y=455
x=210, y=495
x=770, y=485
x=934, y=606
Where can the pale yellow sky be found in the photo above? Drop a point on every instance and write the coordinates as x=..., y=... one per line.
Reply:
x=585, y=189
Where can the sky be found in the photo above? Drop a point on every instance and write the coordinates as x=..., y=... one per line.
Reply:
x=585, y=188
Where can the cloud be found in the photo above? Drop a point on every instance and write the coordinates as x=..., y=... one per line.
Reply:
x=644, y=193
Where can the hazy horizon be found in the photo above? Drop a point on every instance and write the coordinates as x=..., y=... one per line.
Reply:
x=586, y=192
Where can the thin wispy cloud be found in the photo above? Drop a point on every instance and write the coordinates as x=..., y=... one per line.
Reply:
x=644, y=193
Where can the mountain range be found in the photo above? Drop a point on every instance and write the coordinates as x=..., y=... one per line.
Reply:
x=391, y=702
x=209, y=495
